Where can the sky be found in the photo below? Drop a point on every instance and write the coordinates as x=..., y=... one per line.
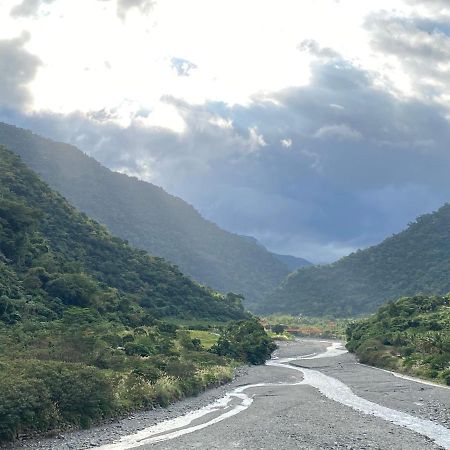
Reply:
x=316, y=126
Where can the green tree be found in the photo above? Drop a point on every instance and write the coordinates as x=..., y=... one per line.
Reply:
x=245, y=340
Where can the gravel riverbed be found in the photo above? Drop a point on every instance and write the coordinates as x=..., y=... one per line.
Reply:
x=288, y=417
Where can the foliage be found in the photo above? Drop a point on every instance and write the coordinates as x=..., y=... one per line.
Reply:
x=82, y=329
x=246, y=341
x=149, y=218
x=63, y=257
x=415, y=260
x=410, y=335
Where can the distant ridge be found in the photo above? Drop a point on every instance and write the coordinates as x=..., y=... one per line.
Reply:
x=149, y=218
x=417, y=260
x=292, y=262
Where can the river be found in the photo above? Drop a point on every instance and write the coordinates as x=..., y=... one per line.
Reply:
x=311, y=395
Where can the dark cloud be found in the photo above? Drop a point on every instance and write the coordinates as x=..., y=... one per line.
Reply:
x=360, y=165
x=17, y=68
x=28, y=8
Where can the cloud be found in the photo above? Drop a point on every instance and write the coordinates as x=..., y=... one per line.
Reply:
x=18, y=68
x=286, y=143
x=346, y=181
x=143, y=6
x=28, y=8
x=182, y=67
x=437, y=6
x=341, y=131
x=256, y=140
x=313, y=48
x=421, y=49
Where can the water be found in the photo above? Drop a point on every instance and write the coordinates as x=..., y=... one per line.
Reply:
x=237, y=401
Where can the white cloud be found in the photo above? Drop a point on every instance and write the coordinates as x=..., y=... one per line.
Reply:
x=143, y=51
x=142, y=6
x=256, y=140
x=335, y=106
x=341, y=131
x=221, y=122
x=28, y=8
x=286, y=143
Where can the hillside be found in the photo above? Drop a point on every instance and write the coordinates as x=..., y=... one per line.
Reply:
x=149, y=218
x=52, y=253
x=410, y=335
x=83, y=317
x=415, y=260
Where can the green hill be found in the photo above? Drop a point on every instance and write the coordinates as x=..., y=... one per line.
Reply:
x=61, y=258
x=149, y=218
x=411, y=335
x=415, y=260
x=84, y=329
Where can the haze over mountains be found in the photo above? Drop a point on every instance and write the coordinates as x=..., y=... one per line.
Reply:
x=415, y=260
x=149, y=218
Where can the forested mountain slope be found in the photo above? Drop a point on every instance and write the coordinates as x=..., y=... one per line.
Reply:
x=84, y=330
x=149, y=218
x=415, y=260
x=52, y=256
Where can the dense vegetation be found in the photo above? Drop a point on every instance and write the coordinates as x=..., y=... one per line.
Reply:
x=245, y=340
x=150, y=219
x=415, y=260
x=411, y=335
x=83, y=333
x=62, y=258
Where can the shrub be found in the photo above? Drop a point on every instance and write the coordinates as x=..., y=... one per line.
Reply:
x=245, y=340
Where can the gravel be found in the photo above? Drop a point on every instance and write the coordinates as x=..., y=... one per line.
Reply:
x=287, y=417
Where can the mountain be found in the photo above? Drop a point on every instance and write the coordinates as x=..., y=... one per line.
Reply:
x=410, y=335
x=292, y=262
x=52, y=257
x=149, y=218
x=415, y=260
x=85, y=333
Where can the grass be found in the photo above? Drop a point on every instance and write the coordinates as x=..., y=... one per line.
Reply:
x=207, y=338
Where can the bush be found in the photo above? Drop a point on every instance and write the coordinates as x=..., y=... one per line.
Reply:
x=25, y=405
x=245, y=340
x=37, y=395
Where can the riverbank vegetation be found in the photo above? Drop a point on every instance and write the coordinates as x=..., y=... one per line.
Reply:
x=410, y=336
x=283, y=325
x=84, y=329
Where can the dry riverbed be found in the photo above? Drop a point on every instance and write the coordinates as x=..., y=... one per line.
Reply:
x=284, y=412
